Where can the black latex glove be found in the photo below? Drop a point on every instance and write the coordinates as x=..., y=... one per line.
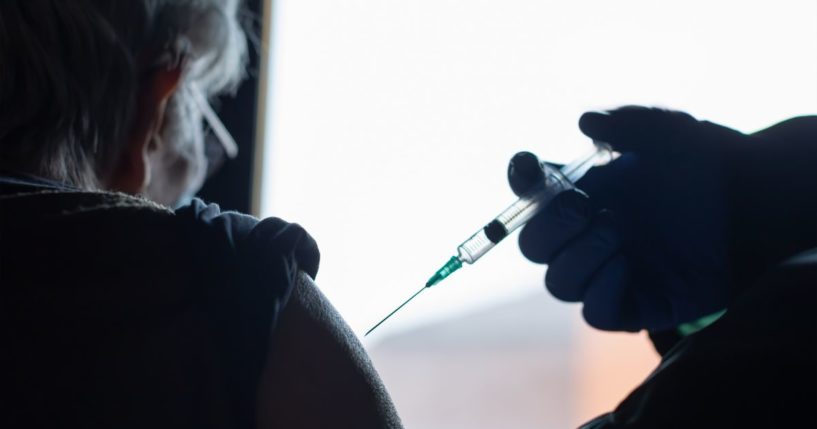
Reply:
x=673, y=229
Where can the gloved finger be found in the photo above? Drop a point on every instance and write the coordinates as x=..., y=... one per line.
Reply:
x=609, y=186
x=800, y=130
x=524, y=173
x=571, y=270
x=609, y=302
x=637, y=128
x=564, y=218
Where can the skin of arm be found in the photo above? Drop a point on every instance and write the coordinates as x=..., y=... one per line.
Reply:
x=317, y=374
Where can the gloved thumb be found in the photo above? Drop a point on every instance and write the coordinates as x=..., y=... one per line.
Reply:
x=640, y=129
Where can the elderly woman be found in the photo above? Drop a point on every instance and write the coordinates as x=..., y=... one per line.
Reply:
x=118, y=311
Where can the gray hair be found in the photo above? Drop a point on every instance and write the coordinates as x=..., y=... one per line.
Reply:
x=70, y=71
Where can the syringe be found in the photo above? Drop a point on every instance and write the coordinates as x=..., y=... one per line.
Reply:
x=516, y=215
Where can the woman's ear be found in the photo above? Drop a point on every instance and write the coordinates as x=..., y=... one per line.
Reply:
x=132, y=170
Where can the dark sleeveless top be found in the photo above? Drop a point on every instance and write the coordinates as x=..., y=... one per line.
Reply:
x=117, y=312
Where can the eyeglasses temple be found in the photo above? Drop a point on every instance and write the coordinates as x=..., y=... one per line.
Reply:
x=218, y=128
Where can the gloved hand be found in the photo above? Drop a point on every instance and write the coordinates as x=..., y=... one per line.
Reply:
x=666, y=233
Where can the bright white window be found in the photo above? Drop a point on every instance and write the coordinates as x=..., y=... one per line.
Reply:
x=391, y=122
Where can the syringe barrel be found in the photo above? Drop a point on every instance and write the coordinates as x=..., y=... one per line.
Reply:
x=472, y=249
x=516, y=215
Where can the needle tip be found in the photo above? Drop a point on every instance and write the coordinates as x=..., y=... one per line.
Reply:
x=395, y=311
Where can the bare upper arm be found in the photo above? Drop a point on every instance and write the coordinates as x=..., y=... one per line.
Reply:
x=317, y=374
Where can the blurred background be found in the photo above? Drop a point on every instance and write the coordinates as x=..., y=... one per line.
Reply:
x=385, y=128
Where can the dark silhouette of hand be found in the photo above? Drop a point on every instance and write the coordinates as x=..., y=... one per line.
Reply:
x=676, y=226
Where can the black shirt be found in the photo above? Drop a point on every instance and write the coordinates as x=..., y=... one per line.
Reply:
x=755, y=367
x=118, y=312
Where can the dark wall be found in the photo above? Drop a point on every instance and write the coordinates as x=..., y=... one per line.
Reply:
x=231, y=186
